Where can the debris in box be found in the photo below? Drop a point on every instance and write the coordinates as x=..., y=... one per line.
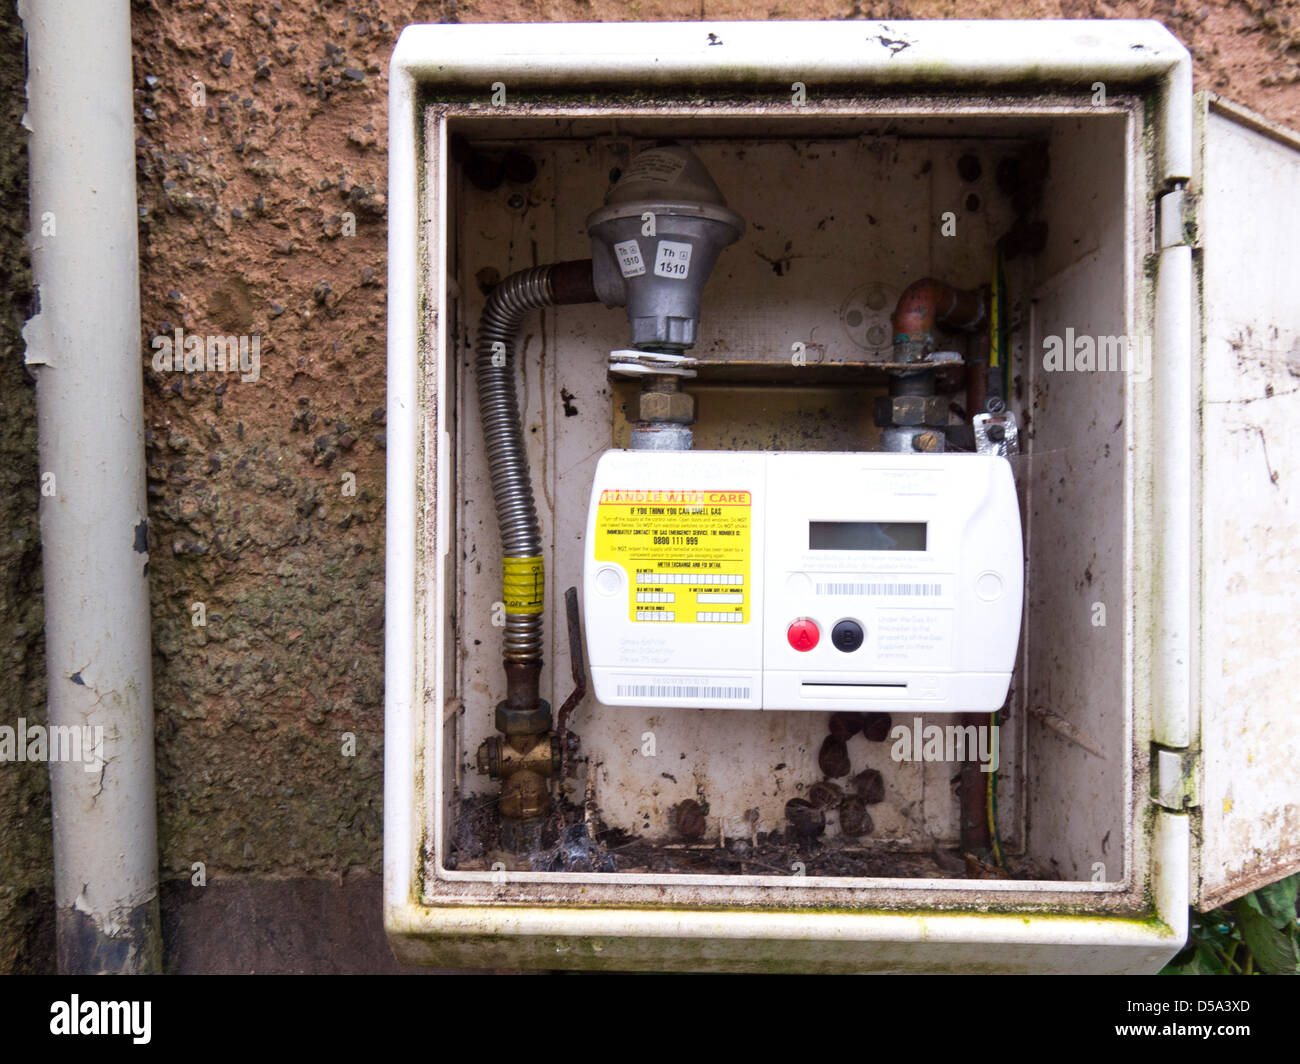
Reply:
x=573, y=844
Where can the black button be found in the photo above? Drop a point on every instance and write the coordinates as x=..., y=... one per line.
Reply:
x=847, y=636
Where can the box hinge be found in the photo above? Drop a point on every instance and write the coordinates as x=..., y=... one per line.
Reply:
x=1177, y=221
x=1173, y=778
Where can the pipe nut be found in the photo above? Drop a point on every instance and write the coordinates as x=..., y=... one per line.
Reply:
x=911, y=410
x=532, y=721
x=678, y=407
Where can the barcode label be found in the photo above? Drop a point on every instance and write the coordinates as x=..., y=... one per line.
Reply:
x=654, y=690
x=879, y=589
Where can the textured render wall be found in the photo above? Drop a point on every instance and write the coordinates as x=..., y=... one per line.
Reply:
x=262, y=215
x=26, y=852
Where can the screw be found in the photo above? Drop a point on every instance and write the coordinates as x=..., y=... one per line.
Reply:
x=995, y=404
x=833, y=758
x=925, y=441
x=515, y=202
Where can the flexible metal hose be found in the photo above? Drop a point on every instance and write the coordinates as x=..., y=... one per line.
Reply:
x=503, y=436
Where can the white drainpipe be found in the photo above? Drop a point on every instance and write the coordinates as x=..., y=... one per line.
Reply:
x=84, y=349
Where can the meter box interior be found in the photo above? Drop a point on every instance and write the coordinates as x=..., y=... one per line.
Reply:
x=840, y=497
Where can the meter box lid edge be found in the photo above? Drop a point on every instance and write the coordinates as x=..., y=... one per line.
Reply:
x=1247, y=232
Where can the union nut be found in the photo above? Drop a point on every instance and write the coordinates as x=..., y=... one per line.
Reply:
x=910, y=410
x=678, y=407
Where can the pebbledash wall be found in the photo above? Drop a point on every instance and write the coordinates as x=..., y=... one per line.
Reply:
x=260, y=137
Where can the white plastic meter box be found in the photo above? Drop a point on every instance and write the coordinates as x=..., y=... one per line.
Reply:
x=842, y=497
x=803, y=580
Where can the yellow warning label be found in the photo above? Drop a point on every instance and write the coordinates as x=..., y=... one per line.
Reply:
x=523, y=584
x=686, y=553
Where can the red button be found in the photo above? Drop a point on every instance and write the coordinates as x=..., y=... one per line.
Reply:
x=803, y=634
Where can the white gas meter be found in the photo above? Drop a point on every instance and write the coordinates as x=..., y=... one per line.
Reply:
x=803, y=581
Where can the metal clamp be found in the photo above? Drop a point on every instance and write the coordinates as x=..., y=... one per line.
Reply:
x=997, y=434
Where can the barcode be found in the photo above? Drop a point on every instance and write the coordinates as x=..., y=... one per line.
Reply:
x=880, y=589
x=653, y=690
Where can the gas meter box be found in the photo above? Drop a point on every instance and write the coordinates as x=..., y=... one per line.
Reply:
x=808, y=581
x=841, y=497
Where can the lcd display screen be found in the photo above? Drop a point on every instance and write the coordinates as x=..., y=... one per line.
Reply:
x=866, y=535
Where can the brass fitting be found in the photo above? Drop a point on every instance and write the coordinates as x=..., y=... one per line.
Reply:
x=908, y=410
x=523, y=763
x=501, y=758
x=524, y=797
x=662, y=399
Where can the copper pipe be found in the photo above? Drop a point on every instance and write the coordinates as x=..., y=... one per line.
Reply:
x=977, y=375
x=523, y=679
x=927, y=303
x=972, y=789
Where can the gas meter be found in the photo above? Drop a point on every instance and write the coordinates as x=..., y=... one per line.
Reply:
x=803, y=581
